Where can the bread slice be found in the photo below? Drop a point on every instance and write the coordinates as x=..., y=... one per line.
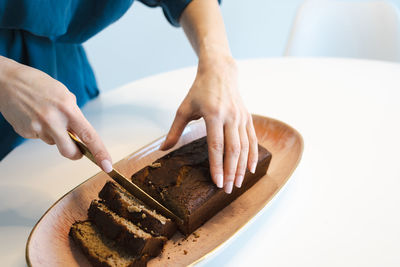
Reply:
x=129, y=207
x=129, y=236
x=101, y=251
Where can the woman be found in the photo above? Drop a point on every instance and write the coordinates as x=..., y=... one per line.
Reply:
x=45, y=76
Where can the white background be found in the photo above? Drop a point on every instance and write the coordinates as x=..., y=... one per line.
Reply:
x=143, y=43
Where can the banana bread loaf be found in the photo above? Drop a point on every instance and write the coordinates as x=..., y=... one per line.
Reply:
x=122, y=231
x=182, y=182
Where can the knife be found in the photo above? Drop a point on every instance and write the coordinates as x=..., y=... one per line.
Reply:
x=128, y=185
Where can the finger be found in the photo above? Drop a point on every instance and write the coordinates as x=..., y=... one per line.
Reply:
x=36, y=129
x=232, y=153
x=84, y=130
x=46, y=138
x=65, y=146
x=244, y=151
x=253, y=146
x=215, y=140
x=52, y=128
x=179, y=124
x=39, y=132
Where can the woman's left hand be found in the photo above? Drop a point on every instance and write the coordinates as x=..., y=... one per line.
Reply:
x=232, y=142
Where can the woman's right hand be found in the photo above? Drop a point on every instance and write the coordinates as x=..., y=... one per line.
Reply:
x=38, y=106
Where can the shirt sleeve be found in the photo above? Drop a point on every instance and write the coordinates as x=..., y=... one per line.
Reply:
x=172, y=9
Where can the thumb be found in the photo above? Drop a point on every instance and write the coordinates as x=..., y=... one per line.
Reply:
x=179, y=124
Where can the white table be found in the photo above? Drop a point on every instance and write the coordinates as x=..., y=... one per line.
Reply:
x=340, y=208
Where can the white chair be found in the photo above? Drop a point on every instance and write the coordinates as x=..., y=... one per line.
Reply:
x=332, y=28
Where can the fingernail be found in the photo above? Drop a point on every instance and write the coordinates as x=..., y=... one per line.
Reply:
x=238, y=181
x=162, y=145
x=220, y=180
x=106, y=166
x=228, y=187
x=253, y=167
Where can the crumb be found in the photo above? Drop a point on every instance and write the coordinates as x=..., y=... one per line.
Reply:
x=155, y=165
x=185, y=252
x=143, y=215
x=196, y=235
x=146, y=172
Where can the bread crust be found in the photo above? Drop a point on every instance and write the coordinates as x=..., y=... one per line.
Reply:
x=127, y=206
x=128, y=236
x=183, y=183
x=80, y=235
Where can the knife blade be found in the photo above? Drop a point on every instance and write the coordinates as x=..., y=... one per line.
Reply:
x=128, y=185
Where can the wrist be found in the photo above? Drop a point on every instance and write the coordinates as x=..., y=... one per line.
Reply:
x=4, y=70
x=217, y=60
x=8, y=73
x=212, y=51
x=8, y=70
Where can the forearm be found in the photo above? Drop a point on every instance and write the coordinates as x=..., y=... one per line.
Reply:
x=204, y=27
x=214, y=95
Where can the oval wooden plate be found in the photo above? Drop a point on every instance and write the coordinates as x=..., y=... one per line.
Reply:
x=50, y=245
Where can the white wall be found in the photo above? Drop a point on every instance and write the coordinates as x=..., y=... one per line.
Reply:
x=143, y=43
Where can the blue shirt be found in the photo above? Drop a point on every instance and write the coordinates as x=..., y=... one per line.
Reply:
x=48, y=35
